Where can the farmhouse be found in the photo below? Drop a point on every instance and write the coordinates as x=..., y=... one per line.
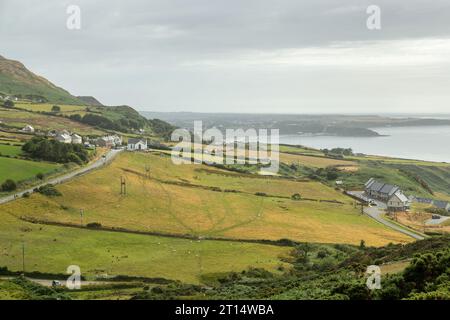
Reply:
x=28, y=128
x=442, y=205
x=380, y=190
x=387, y=193
x=63, y=138
x=136, y=144
x=398, y=202
x=76, y=139
x=109, y=141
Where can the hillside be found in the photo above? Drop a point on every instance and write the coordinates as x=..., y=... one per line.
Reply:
x=38, y=97
x=92, y=101
x=18, y=81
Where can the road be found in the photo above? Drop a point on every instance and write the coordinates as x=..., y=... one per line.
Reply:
x=110, y=155
x=376, y=213
x=49, y=282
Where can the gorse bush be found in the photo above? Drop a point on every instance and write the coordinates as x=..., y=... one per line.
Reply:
x=49, y=190
x=8, y=185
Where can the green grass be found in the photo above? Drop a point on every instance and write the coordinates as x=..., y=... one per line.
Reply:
x=28, y=87
x=12, y=291
x=52, y=249
x=47, y=107
x=9, y=150
x=18, y=170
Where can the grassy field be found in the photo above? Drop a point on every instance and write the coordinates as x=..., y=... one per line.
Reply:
x=52, y=249
x=18, y=119
x=19, y=170
x=66, y=109
x=9, y=150
x=179, y=200
x=314, y=161
x=300, y=150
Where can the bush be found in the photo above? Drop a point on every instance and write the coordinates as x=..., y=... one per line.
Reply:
x=296, y=196
x=49, y=190
x=56, y=109
x=8, y=104
x=40, y=176
x=9, y=185
x=94, y=225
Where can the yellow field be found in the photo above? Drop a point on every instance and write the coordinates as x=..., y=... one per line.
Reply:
x=311, y=161
x=47, y=107
x=162, y=197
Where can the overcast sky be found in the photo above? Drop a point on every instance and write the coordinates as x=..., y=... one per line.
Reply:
x=293, y=56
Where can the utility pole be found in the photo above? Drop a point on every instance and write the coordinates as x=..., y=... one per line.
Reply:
x=123, y=186
x=23, y=257
x=81, y=216
x=147, y=171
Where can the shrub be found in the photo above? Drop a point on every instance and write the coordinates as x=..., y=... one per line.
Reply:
x=56, y=109
x=49, y=190
x=9, y=185
x=8, y=104
x=94, y=225
x=296, y=196
x=40, y=176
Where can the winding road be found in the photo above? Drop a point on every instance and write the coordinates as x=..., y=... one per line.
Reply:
x=376, y=213
x=108, y=157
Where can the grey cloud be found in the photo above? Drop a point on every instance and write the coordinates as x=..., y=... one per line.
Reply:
x=150, y=53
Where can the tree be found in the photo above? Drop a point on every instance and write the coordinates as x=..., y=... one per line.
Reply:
x=362, y=244
x=8, y=104
x=296, y=196
x=9, y=185
x=56, y=109
x=303, y=249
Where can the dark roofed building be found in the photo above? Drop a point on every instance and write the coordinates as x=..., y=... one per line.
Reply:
x=442, y=205
x=380, y=190
x=387, y=193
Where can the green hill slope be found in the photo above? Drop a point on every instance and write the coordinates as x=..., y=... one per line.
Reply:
x=18, y=81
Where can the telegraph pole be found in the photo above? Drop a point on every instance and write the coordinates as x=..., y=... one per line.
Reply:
x=81, y=216
x=123, y=186
x=23, y=257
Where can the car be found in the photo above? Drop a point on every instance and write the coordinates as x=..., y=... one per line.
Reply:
x=56, y=283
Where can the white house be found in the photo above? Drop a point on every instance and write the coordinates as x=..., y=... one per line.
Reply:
x=117, y=140
x=64, y=138
x=28, y=129
x=136, y=144
x=76, y=139
x=398, y=202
